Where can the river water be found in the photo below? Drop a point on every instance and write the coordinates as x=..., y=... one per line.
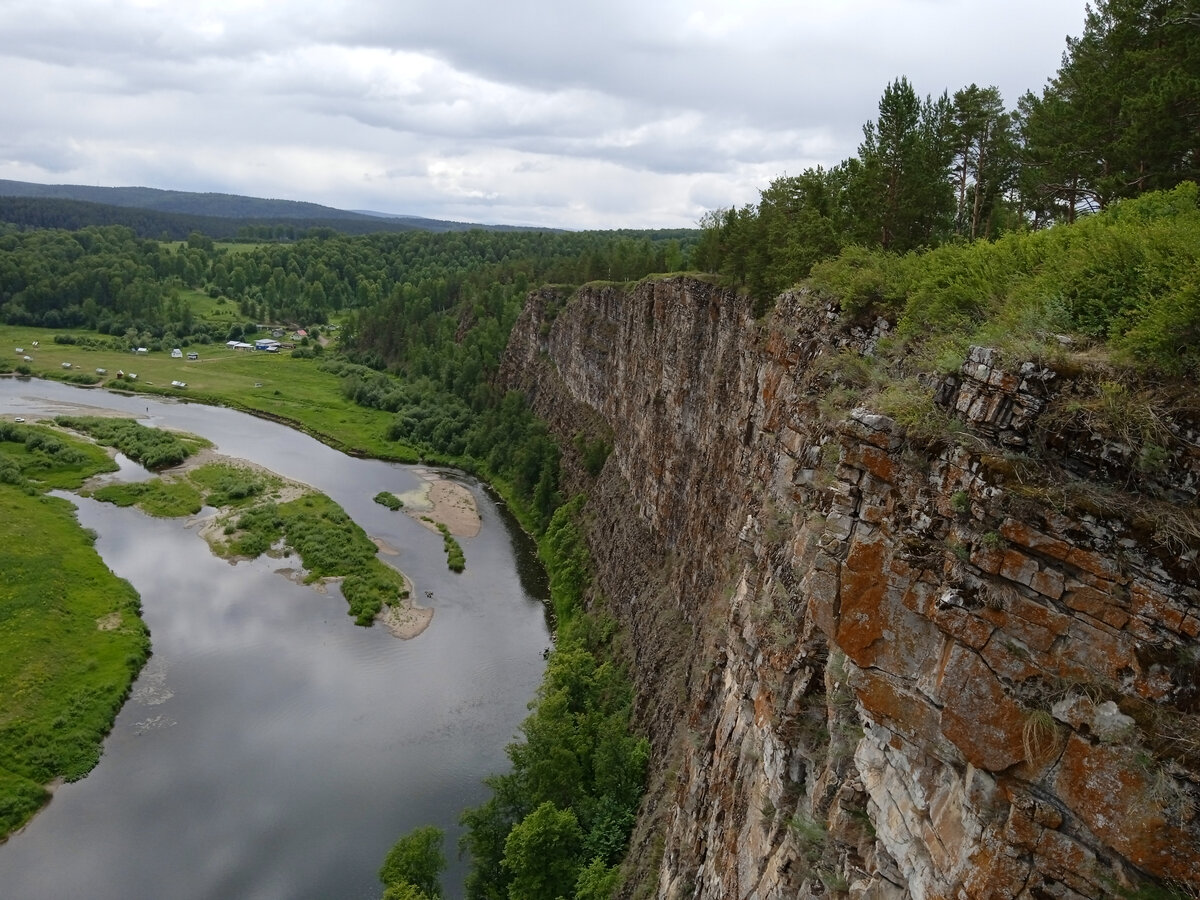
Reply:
x=272, y=748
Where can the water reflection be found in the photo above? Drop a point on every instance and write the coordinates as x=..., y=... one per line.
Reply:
x=272, y=748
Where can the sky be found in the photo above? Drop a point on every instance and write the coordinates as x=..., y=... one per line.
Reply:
x=567, y=114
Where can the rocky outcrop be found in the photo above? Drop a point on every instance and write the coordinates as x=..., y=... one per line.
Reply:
x=879, y=662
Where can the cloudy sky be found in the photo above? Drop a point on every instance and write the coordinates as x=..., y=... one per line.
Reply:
x=572, y=113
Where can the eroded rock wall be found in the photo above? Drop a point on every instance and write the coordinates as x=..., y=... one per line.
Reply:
x=873, y=666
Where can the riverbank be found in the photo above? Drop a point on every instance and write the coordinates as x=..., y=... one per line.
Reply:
x=73, y=638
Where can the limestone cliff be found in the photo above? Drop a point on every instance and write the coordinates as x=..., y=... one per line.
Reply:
x=874, y=664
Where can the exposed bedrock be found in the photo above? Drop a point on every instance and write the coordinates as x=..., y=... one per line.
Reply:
x=870, y=666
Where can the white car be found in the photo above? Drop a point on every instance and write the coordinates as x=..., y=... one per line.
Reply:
x=18, y=419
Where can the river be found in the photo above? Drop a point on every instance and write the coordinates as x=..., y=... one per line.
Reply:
x=271, y=748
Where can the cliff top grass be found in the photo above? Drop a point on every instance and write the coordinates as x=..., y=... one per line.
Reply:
x=1119, y=289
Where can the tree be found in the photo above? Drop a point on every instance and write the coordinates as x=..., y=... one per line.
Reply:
x=1122, y=115
x=417, y=860
x=597, y=881
x=542, y=854
x=900, y=193
x=985, y=158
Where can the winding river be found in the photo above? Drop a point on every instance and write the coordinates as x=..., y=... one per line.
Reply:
x=271, y=748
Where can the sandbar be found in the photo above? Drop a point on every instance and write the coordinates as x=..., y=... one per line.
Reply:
x=440, y=499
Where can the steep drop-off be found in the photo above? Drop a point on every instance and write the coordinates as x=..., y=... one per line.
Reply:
x=870, y=665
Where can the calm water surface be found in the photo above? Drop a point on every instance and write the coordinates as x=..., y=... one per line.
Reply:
x=271, y=748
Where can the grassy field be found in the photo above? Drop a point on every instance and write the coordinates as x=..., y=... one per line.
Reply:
x=71, y=637
x=295, y=391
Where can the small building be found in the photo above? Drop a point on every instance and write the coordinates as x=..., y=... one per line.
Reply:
x=176, y=353
x=178, y=384
x=269, y=344
x=132, y=376
x=20, y=349
x=193, y=355
x=142, y=350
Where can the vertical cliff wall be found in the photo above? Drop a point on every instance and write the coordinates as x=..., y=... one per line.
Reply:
x=874, y=664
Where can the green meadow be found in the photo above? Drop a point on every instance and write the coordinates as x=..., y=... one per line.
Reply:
x=71, y=636
x=276, y=385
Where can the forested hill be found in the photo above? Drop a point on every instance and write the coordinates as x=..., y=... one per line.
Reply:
x=155, y=213
x=72, y=215
x=221, y=206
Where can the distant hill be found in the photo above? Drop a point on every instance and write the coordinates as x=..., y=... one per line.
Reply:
x=220, y=216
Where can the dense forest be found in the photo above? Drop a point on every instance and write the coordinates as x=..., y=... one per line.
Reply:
x=423, y=318
x=48, y=212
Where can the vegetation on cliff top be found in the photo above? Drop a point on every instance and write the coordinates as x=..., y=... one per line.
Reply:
x=1128, y=278
x=1118, y=120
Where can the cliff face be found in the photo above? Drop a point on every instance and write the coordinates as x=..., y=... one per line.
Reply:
x=871, y=665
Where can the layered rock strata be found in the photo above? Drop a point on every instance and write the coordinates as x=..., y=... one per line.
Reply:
x=878, y=662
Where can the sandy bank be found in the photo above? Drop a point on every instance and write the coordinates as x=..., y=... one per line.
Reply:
x=440, y=499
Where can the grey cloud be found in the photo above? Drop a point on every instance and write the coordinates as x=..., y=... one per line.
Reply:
x=669, y=108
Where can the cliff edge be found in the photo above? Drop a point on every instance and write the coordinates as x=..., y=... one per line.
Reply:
x=879, y=661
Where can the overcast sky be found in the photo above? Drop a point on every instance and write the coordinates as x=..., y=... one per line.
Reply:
x=572, y=113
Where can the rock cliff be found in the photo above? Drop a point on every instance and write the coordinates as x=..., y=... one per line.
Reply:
x=878, y=662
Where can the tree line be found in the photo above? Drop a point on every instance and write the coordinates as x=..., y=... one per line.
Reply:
x=1120, y=118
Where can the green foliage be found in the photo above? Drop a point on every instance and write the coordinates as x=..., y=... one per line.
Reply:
x=44, y=458
x=592, y=452
x=231, y=485
x=565, y=554
x=501, y=440
x=578, y=774
x=390, y=500
x=541, y=854
x=402, y=890
x=1127, y=276
x=454, y=552
x=169, y=499
x=417, y=861
x=20, y=798
x=72, y=641
x=597, y=881
x=1118, y=119
x=258, y=529
x=154, y=448
x=329, y=544
x=861, y=280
